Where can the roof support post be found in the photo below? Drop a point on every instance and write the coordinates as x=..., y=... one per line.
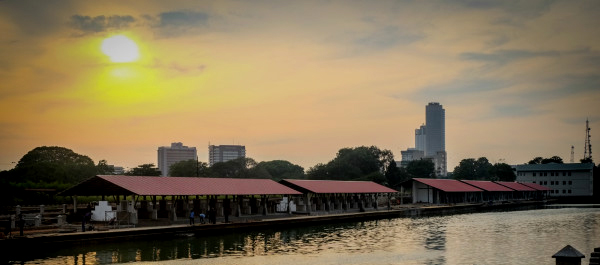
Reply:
x=74, y=203
x=263, y=202
x=389, y=203
x=240, y=201
x=289, y=201
x=308, y=204
x=361, y=203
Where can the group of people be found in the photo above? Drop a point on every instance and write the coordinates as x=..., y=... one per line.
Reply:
x=212, y=217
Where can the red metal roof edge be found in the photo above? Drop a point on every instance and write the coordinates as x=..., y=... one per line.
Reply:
x=436, y=183
x=376, y=187
x=222, y=186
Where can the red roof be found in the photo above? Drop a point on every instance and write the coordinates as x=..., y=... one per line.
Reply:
x=535, y=186
x=112, y=184
x=515, y=186
x=448, y=185
x=486, y=185
x=335, y=186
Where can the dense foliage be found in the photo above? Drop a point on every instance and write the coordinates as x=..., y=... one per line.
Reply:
x=541, y=160
x=144, y=170
x=364, y=163
x=482, y=169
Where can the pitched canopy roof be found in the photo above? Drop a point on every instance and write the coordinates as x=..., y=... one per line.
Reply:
x=486, y=185
x=176, y=186
x=515, y=186
x=448, y=185
x=536, y=186
x=335, y=186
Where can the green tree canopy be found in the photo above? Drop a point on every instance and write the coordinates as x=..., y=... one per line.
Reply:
x=236, y=168
x=103, y=168
x=482, y=169
x=53, y=164
x=504, y=172
x=353, y=163
x=471, y=169
x=422, y=168
x=279, y=169
x=144, y=170
x=189, y=168
x=395, y=175
x=541, y=160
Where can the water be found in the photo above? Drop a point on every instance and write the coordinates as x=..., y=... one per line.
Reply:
x=518, y=237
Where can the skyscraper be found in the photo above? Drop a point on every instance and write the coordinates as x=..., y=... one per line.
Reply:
x=168, y=156
x=435, y=122
x=420, y=138
x=430, y=140
x=224, y=153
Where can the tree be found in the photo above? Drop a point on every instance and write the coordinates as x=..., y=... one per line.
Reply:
x=540, y=160
x=53, y=164
x=279, y=169
x=422, y=168
x=103, y=168
x=536, y=160
x=471, y=169
x=353, y=163
x=395, y=175
x=236, y=168
x=504, y=172
x=144, y=170
x=189, y=168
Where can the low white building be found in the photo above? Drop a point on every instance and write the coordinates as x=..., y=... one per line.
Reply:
x=565, y=180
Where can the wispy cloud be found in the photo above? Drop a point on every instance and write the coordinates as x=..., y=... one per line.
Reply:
x=86, y=24
x=177, y=23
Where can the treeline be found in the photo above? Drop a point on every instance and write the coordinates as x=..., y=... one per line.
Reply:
x=45, y=170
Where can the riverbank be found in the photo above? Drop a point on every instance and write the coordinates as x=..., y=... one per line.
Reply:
x=65, y=235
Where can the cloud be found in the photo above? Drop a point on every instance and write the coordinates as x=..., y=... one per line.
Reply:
x=505, y=56
x=386, y=37
x=176, y=23
x=87, y=24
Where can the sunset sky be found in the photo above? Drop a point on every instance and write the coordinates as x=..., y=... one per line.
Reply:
x=298, y=80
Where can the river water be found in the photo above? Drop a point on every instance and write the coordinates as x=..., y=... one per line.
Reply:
x=513, y=237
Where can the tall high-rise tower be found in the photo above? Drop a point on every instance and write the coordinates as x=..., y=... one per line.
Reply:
x=435, y=122
x=435, y=137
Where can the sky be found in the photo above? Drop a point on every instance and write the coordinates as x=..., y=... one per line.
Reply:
x=299, y=80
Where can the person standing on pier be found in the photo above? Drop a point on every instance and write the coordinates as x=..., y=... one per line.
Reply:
x=192, y=217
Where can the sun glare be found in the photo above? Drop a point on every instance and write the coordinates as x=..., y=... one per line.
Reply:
x=120, y=49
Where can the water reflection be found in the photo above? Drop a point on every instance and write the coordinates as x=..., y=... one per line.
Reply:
x=523, y=237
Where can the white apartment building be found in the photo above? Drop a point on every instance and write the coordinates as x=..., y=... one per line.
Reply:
x=224, y=153
x=576, y=179
x=168, y=156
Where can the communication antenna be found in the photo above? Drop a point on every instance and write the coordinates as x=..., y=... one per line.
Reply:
x=587, y=153
x=572, y=154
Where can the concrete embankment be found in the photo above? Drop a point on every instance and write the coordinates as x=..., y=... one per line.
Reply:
x=285, y=221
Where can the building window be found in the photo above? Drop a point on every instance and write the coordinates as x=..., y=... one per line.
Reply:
x=545, y=174
x=564, y=191
x=552, y=174
x=569, y=191
x=564, y=182
x=534, y=182
x=551, y=182
x=564, y=173
x=569, y=173
x=534, y=174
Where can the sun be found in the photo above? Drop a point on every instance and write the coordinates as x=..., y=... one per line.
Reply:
x=120, y=49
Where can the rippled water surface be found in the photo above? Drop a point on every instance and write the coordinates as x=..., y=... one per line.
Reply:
x=519, y=237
